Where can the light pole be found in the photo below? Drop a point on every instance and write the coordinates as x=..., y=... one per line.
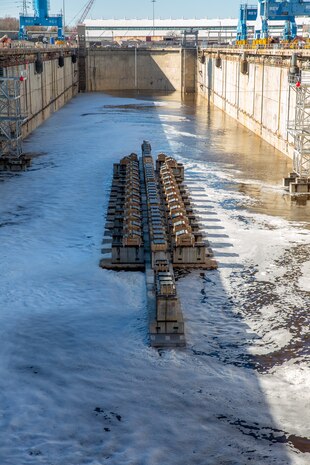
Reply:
x=64, y=17
x=136, y=67
x=25, y=7
x=153, y=1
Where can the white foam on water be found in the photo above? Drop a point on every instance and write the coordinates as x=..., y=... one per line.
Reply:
x=304, y=280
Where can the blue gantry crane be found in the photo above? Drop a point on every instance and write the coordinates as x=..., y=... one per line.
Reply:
x=247, y=13
x=41, y=17
x=272, y=10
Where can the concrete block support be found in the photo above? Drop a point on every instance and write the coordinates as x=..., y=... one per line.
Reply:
x=300, y=186
x=148, y=228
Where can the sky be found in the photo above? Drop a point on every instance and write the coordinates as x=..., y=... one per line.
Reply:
x=134, y=8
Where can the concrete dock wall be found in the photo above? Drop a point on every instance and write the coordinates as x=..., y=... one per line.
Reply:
x=141, y=69
x=253, y=88
x=44, y=93
x=259, y=99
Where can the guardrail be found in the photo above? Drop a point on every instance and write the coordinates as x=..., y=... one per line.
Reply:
x=271, y=47
x=29, y=46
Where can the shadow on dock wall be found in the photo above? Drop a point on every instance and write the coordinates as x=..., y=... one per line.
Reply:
x=134, y=70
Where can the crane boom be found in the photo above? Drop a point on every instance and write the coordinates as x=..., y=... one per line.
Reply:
x=86, y=11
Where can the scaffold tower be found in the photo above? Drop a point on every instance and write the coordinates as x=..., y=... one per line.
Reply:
x=299, y=127
x=11, y=118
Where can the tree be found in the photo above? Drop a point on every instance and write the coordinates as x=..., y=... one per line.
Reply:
x=9, y=23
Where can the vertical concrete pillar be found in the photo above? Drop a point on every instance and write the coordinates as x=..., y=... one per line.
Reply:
x=189, y=70
x=82, y=58
x=262, y=98
x=279, y=102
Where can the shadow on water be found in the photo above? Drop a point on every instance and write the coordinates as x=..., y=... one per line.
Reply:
x=205, y=402
x=219, y=338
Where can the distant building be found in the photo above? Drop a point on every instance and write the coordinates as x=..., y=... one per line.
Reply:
x=210, y=30
x=121, y=30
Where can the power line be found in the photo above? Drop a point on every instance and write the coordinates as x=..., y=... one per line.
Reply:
x=25, y=4
x=153, y=1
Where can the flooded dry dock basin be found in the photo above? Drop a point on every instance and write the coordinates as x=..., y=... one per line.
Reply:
x=80, y=383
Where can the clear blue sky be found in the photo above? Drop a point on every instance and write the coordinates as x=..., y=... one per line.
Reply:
x=136, y=8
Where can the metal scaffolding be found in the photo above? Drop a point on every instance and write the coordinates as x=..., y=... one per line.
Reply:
x=299, y=127
x=11, y=118
x=190, y=38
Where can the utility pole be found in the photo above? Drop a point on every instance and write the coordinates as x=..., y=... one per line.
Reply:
x=25, y=7
x=64, y=17
x=153, y=1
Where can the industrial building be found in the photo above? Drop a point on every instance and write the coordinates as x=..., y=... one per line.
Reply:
x=209, y=30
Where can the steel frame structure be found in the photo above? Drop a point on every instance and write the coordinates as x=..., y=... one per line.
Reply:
x=190, y=38
x=247, y=13
x=41, y=18
x=299, y=128
x=11, y=118
x=272, y=10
